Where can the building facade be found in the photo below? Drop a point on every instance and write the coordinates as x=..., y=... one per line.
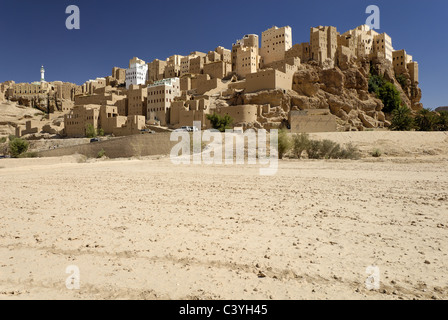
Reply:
x=274, y=44
x=160, y=95
x=101, y=117
x=403, y=63
x=137, y=73
x=156, y=70
x=245, y=55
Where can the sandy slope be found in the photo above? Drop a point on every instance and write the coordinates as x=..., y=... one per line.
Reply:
x=11, y=113
x=146, y=229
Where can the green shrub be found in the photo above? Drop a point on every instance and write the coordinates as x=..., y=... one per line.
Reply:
x=101, y=154
x=11, y=137
x=335, y=152
x=349, y=152
x=219, y=122
x=2, y=139
x=375, y=83
x=425, y=120
x=386, y=91
x=284, y=143
x=442, y=121
x=390, y=97
x=328, y=149
x=313, y=149
x=18, y=146
x=300, y=144
x=101, y=132
x=90, y=131
x=402, y=119
x=401, y=80
x=376, y=153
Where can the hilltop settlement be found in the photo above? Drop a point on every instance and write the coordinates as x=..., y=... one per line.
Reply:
x=316, y=86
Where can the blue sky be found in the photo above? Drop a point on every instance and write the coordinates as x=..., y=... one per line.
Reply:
x=33, y=33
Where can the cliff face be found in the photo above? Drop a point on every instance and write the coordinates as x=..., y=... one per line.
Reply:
x=344, y=90
x=410, y=93
x=44, y=103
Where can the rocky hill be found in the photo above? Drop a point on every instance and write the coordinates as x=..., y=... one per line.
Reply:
x=43, y=102
x=344, y=90
x=13, y=115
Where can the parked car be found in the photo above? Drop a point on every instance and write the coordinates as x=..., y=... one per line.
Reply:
x=182, y=129
x=143, y=131
x=94, y=140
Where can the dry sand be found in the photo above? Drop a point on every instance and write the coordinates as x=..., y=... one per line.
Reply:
x=146, y=229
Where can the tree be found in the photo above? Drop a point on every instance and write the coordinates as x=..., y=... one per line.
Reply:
x=314, y=149
x=300, y=144
x=90, y=131
x=375, y=83
x=219, y=122
x=390, y=97
x=402, y=119
x=284, y=143
x=425, y=120
x=401, y=78
x=327, y=149
x=442, y=121
x=18, y=146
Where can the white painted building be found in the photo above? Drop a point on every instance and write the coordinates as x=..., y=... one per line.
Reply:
x=42, y=74
x=137, y=72
x=160, y=96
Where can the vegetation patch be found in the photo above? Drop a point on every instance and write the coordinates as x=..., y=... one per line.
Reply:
x=284, y=143
x=220, y=123
x=402, y=119
x=376, y=153
x=91, y=131
x=301, y=144
x=17, y=147
x=101, y=154
x=385, y=91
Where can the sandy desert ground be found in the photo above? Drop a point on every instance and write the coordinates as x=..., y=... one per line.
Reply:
x=146, y=229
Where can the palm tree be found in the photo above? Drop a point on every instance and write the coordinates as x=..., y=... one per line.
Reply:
x=425, y=120
x=402, y=119
x=442, y=121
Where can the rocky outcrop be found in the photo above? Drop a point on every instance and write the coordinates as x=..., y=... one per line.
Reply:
x=306, y=82
x=410, y=93
x=344, y=91
x=275, y=98
x=47, y=103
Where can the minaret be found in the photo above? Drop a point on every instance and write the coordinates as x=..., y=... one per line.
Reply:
x=42, y=74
